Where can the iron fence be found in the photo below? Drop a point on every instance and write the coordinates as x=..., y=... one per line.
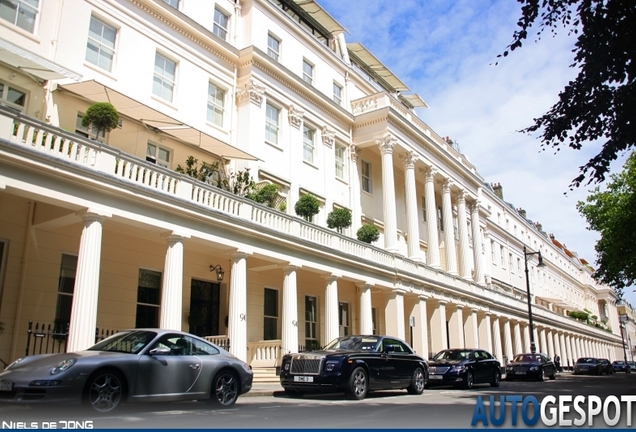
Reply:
x=52, y=338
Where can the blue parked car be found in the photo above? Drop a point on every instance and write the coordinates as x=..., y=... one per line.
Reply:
x=621, y=366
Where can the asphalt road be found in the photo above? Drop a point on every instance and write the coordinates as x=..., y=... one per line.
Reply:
x=435, y=408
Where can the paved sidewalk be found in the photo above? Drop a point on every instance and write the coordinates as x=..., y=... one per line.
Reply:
x=264, y=389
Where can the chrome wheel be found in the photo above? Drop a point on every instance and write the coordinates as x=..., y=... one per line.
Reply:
x=417, y=382
x=358, y=385
x=105, y=391
x=225, y=389
x=470, y=380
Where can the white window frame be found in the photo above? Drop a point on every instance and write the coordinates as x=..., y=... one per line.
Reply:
x=216, y=104
x=337, y=93
x=4, y=100
x=344, y=318
x=340, y=156
x=311, y=320
x=308, y=72
x=174, y=3
x=218, y=28
x=423, y=208
x=271, y=52
x=366, y=183
x=22, y=5
x=163, y=78
x=271, y=128
x=100, y=45
x=309, y=144
x=154, y=158
x=153, y=305
x=276, y=317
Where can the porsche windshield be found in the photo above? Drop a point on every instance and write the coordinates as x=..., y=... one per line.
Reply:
x=354, y=343
x=131, y=342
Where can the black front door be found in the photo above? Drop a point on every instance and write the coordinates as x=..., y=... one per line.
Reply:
x=204, y=308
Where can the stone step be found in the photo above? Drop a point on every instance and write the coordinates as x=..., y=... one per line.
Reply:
x=265, y=375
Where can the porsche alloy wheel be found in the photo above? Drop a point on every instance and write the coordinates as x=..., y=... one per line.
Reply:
x=105, y=391
x=358, y=384
x=417, y=382
x=224, y=389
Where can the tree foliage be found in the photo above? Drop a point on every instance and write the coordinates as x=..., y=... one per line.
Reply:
x=339, y=218
x=265, y=194
x=307, y=206
x=612, y=213
x=368, y=233
x=102, y=116
x=600, y=104
x=239, y=183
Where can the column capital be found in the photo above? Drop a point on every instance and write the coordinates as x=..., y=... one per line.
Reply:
x=429, y=173
x=474, y=206
x=354, y=153
x=252, y=91
x=447, y=184
x=330, y=278
x=386, y=144
x=328, y=136
x=409, y=158
x=289, y=268
x=461, y=196
x=295, y=116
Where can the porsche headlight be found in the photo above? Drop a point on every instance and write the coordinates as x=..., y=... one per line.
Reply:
x=15, y=363
x=63, y=365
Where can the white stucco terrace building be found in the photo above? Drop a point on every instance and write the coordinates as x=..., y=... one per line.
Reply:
x=102, y=232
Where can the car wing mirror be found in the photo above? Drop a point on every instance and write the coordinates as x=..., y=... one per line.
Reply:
x=389, y=349
x=160, y=351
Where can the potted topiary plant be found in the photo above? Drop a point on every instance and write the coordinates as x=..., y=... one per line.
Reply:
x=307, y=206
x=102, y=116
x=368, y=233
x=339, y=218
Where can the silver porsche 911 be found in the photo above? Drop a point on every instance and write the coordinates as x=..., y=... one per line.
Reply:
x=138, y=365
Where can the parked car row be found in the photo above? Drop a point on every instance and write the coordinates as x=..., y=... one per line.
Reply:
x=164, y=365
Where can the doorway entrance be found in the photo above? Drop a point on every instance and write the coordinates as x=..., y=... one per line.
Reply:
x=204, y=308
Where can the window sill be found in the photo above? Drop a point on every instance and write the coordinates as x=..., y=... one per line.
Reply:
x=276, y=146
x=20, y=31
x=311, y=164
x=216, y=126
x=343, y=181
x=100, y=70
x=165, y=102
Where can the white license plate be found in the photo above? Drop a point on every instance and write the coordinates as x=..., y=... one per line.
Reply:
x=304, y=379
x=519, y=373
x=435, y=377
x=6, y=385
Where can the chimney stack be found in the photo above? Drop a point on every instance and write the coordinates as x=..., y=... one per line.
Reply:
x=522, y=213
x=539, y=226
x=498, y=189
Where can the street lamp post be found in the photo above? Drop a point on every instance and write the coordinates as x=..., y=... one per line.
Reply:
x=622, y=319
x=526, y=256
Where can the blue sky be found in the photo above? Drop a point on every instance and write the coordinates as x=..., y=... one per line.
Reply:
x=446, y=51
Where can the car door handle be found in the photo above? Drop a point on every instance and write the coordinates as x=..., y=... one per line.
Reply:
x=195, y=366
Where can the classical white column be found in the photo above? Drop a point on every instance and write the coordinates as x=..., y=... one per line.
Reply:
x=438, y=327
x=508, y=340
x=485, y=332
x=420, y=332
x=537, y=342
x=557, y=346
x=432, y=252
x=356, y=190
x=366, y=310
x=289, y=338
x=566, y=355
x=471, y=329
x=86, y=289
x=544, y=345
x=526, y=338
x=550, y=343
x=332, y=325
x=462, y=231
x=172, y=289
x=496, y=337
x=449, y=231
x=478, y=277
x=518, y=346
x=386, y=144
x=487, y=259
x=456, y=328
x=579, y=347
x=394, y=314
x=237, y=316
x=412, y=219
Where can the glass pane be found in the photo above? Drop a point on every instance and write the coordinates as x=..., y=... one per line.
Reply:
x=63, y=310
x=269, y=328
x=164, y=155
x=16, y=97
x=271, y=303
x=8, y=10
x=26, y=19
x=68, y=268
x=147, y=317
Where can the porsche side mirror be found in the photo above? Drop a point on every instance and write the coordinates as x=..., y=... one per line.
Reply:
x=160, y=351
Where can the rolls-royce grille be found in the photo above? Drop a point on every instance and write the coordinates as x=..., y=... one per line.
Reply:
x=305, y=366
